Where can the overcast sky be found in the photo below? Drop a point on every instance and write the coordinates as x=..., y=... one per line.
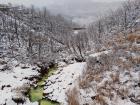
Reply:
x=81, y=11
x=46, y=2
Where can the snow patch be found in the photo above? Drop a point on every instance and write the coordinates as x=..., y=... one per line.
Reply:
x=64, y=79
x=13, y=79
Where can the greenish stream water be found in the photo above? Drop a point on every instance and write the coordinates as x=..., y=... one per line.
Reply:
x=36, y=93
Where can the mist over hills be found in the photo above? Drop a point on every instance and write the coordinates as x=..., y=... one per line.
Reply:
x=80, y=11
x=83, y=11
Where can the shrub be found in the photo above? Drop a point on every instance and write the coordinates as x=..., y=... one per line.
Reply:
x=72, y=96
x=115, y=78
x=100, y=99
x=133, y=37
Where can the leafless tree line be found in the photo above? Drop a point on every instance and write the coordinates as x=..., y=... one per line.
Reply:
x=99, y=33
x=31, y=33
x=121, y=21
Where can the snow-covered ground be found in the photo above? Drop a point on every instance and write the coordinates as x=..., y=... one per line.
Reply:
x=112, y=87
x=116, y=86
x=17, y=80
x=64, y=79
x=13, y=82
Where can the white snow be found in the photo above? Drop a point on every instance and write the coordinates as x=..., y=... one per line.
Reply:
x=15, y=79
x=100, y=53
x=58, y=84
x=138, y=21
x=128, y=81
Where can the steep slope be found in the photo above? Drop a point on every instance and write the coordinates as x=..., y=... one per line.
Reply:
x=30, y=33
x=111, y=77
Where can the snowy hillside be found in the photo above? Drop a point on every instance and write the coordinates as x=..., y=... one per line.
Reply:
x=46, y=59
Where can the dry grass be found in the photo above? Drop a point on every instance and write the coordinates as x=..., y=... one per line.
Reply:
x=133, y=38
x=107, y=89
x=120, y=57
x=100, y=100
x=119, y=39
x=95, y=67
x=85, y=79
x=84, y=83
x=135, y=48
x=98, y=78
x=125, y=65
x=73, y=97
x=123, y=92
x=135, y=60
x=115, y=78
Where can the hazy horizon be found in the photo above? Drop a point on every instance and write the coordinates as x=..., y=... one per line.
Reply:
x=48, y=2
x=80, y=11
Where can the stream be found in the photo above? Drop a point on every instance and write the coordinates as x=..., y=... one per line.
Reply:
x=36, y=93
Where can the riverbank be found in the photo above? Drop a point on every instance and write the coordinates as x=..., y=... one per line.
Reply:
x=28, y=85
x=57, y=85
x=15, y=82
x=36, y=93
